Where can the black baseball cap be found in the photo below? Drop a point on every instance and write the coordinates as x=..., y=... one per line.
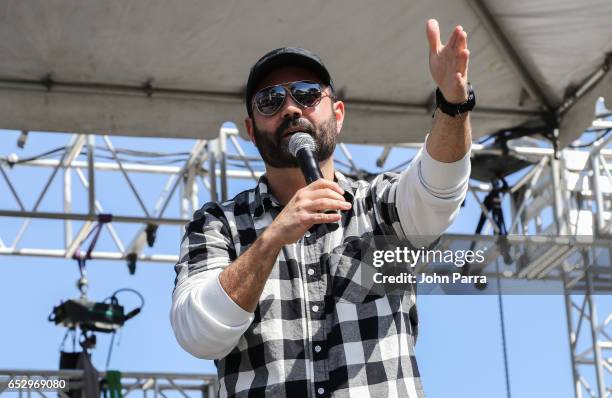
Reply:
x=281, y=57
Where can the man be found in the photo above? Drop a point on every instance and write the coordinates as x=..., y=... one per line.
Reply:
x=255, y=287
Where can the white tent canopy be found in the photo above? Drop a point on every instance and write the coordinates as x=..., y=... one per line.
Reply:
x=178, y=69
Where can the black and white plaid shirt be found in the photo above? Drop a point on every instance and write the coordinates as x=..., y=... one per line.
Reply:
x=308, y=337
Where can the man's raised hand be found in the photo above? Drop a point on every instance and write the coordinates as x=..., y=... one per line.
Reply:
x=448, y=63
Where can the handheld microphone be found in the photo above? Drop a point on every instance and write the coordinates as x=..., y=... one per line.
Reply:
x=302, y=147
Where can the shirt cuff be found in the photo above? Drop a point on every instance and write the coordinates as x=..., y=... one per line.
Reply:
x=440, y=178
x=220, y=305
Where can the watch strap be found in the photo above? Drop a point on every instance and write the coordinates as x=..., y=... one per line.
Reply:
x=455, y=109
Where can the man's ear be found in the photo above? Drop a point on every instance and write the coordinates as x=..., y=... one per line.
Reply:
x=339, y=112
x=248, y=123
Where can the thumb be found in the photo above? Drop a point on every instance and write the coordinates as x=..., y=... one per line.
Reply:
x=433, y=35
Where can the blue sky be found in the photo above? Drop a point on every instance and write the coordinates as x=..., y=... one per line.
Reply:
x=459, y=348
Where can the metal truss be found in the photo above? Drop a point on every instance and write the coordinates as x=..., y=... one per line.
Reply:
x=561, y=229
x=560, y=207
x=560, y=224
x=164, y=385
x=204, y=167
x=591, y=350
x=579, y=198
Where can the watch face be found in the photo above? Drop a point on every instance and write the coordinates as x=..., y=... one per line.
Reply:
x=471, y=95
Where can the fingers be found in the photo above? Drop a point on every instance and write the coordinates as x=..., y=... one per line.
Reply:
x=458, y=43
x=314, y=199
x=318, y=212
x=433, y=36
x=323, y=193
x=327, y=204
x=320, y=195
x=452, y=40
x=323, y=183
x=322, y=199
x=463, y=59
x=323, y=218
x=306, y=208
x=461, y=41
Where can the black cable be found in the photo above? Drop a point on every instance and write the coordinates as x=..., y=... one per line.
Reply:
x=129, y=315
x=599, y=137
x=493, y=205
x=146, y=162
x=36, y=157
x=56, y=151
x=364, y=172
x=486, y=138
x=241, y=165
x=110, y=349
x=124, y=160
x=135, y=152
x=62, y=344
x=403, y=164
x=503, y=328
x=127, y=289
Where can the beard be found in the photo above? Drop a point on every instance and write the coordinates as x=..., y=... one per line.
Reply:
x=274, y=150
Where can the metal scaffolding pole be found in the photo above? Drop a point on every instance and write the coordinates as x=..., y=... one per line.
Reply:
x=597, y=357
x=572, y=337
x=586, y=347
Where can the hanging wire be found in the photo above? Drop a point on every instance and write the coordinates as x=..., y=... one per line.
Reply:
x=63, y=343
x=399, y=166
x=599, y=137
x=138, y=153
x=503, y=328
x=363, y=171
x=148, y=161
x=157, y=158
x=43, y=155
x=113, y=300
x=127, y=289
x=110, y=350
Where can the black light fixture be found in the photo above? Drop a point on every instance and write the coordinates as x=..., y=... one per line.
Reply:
x=23, y=138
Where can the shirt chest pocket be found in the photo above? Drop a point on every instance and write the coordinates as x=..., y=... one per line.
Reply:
x=352, y=274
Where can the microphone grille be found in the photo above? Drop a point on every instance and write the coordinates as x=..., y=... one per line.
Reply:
x=300, y=141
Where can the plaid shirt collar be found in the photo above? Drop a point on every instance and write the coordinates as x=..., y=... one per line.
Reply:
x=265, y=199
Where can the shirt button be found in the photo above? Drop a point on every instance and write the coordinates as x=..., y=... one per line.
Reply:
x=315, y=308
x=318, y=348
x=321, y=391
x=310, y=271
x=307, y=234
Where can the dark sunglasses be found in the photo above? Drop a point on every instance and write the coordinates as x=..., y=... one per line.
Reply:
x=269, y=100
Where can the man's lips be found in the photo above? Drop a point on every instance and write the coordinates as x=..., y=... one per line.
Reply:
x=291, y=132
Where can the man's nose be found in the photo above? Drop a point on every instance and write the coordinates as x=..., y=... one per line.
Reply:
x=291, y=110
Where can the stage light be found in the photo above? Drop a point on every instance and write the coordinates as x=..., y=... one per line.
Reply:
x=151, y=234
x=131, y=262
x=23, y=138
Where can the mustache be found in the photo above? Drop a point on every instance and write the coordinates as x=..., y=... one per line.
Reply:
x=303, y=124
